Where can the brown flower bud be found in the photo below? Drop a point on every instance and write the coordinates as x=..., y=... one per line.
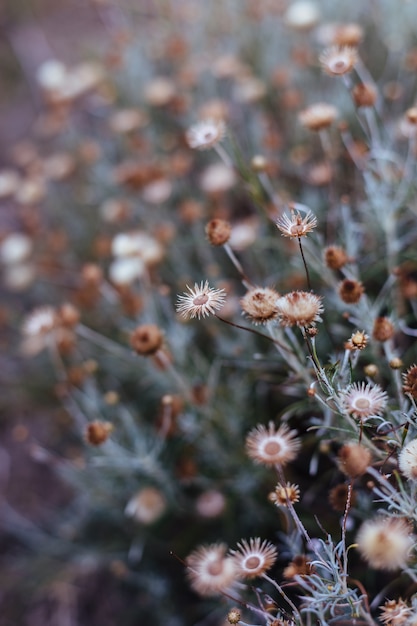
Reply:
x=410, y=381
x=98, y=432
x=371, y=370
x=335, y=257
x=383, y=329
x=69, y=315
x=350, y=291
x=218, y=232
x=353, y=459
x=364, y=95
x=396, y=363
x=146, y=339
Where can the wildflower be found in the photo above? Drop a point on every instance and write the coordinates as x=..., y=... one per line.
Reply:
x=354, y=459
x=233, y=616
x=255, y=557
x=410, y=381
x=210, y=571
x=299, y=566
x=318, y=116
x=385, y=542
x=284, y=494
x=202, y=300
x=335, y=257
x=146, y=339
x=302, y=15
x=363, y=401
x=396, y=363
x=147, y=505
x=350, y=291
x=297, y=226
x=407, y=460
x=40, y=322
x=205, y=134
x=338, y=60
x=210, y=503
x=259, y=304
x=395, y=612
x=98, y=432
x=358, y=341
x=218, y=232
x=299, y=308
x=269, y=446
x=45, y=327
x=364, y=95
x=383, y=329
x=349, y=34
x=371, y=370
x=217, y=178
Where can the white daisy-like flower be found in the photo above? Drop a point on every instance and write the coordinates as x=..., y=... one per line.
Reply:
x=299, y=308
x=40, y=322
x=210, y=570
x=201, y=300
x=269, y=446
x=254, y=557
x=363, y=401
x=205, y=134
x=407, y=460
x=338, y=60
x=295, y=225
x=385, y=542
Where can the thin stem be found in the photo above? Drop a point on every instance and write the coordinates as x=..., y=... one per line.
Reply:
x=305, y=264
x=245, y=280
x=255, y=332
x=284, y=595
x=223, y=155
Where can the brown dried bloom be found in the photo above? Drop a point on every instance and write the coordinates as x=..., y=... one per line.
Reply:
x=284, y=494
x=299, y=308
x=218, y=232
x=200, y=301
x=299, y=566
x=350, y=34
x=358, y=341
x=383, y=329
x=354, y=459
x=350, y=291
x=146, y=339
x=296, y=226
x=259, y=304
x=335, y=257
x=338, y=497
x=338, y=60
x=364, y=95
x=233, y=616
x=210, y=571
x=318, y=116
x=410, y=381
x=254, y=557
x=269, y=446
x=395, y=613
x=97, y=432
x=385, y=542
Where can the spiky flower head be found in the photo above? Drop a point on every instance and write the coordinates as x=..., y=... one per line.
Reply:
x=299, y=308
x=395, y=612
x=410, y=381
x=259, y=304
x=284, y=494
x=358, y=341
x=338, y=60
x=210, y=570
x=296, y=226
x=363, y=400
x=254, y=557
x=201, y=300
x=385, y=542
x=268, y=446
x=407, y=460
x=205, y=134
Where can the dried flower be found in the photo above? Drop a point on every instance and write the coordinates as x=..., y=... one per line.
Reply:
x=269, y=446
x=206, y=134
x=202, y=300
x=147, y=505
x=218, y=232
x=354, y=459
x=338, y=60
x=410, y=381
x=284, y=494
x=299, y=308
x=255, y=557
x=383, y=329
x=146, y=339
x=299, y=566
x=233, y=616
x=297, y=226
x=335, y=257
x=350, y=291
x=98, y=432
x=364, y=95
x=318, y=116
x=259, y=304
x=395, y=612
x=363, y=401
x=358, y=341
x=407, y=460
x=385, y=542
x=210, y=571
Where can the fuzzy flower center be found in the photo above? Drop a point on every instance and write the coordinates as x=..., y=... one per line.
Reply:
x=362, y=403
x=215, y=568
x=272, y=447
x=200, y=300
x=253, y=562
